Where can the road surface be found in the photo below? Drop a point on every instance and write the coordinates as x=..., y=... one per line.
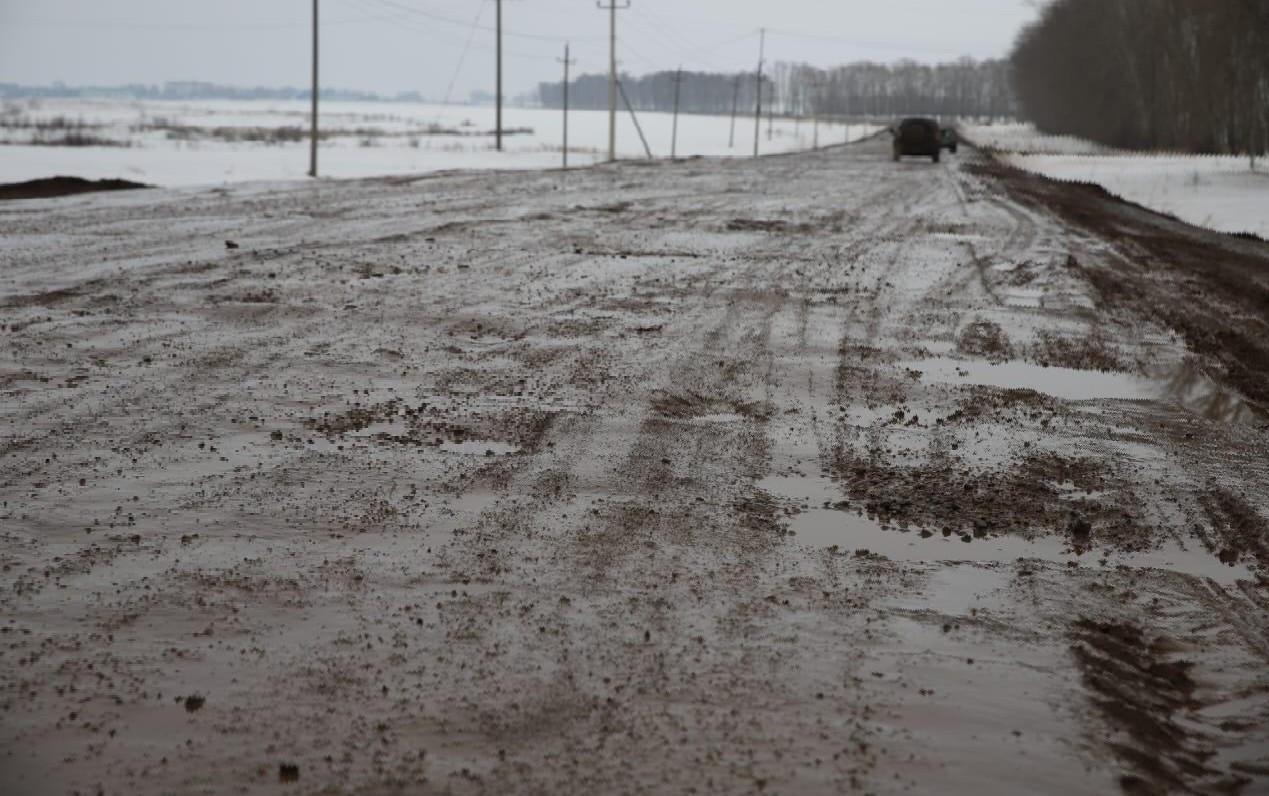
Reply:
x=806, y=474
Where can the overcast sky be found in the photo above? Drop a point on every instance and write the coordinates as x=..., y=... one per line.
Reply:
x=433, y=47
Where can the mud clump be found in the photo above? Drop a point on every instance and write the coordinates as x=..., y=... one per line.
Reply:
x=194, y=702
x=1023, y=497
x=768, y=225
x=265, y=296
x=758, y=513
x=1087, y=353
x=990, y=402
x=354, y=419
x=1239, y=529
x=1081, y=532
x=985, y=339
x=689, y=405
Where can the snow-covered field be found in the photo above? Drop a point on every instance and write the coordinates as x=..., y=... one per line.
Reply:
x=211, y=142
x=1024, y=139
x=1212, y=191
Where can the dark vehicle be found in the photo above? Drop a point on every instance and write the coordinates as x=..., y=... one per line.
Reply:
x=949, y=139
x=917, y=136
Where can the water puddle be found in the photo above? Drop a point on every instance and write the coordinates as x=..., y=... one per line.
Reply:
x=480, y=447
x=1188, y=386
x=1184, y=384
x=473, y=502
x=960, y=590
x=1069, y=383
x=1027, y=299
x=826, y=522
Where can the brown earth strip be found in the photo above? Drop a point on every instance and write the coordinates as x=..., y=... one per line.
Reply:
x=1143, y=694
x=50, y=187
x=1210, y=287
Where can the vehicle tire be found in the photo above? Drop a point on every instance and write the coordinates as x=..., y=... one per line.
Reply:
x=935, y=157
x=953, y=149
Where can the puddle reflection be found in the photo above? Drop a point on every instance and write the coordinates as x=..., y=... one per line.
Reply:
x=825, y=522
x=1184, y=384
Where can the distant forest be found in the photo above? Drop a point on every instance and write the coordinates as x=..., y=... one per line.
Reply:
x=1174, y=74
x=961, y=88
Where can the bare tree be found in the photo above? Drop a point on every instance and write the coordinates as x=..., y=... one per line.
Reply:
x=1186, y=75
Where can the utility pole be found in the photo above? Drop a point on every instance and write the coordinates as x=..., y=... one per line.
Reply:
x=816, y=84
x=567, y=64
x=612, y=8
x=498, y=85
x=735, y=101
x=674, y=137
x=757, y=116
x=771, y=112
x=312, y=149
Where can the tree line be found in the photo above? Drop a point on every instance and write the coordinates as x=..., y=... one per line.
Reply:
x=1188, y=75
x=961, y=88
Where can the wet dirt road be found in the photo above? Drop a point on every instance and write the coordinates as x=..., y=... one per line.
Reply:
x=809, y=474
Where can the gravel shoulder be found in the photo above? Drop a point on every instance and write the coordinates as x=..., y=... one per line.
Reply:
x=804, y=474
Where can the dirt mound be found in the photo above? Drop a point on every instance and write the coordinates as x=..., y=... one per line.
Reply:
x=49, y=187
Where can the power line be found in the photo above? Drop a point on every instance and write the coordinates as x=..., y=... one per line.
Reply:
x=459, y=67
x=655, y=64
x=779, y=32
x=667, y=44
x=667, y=30
x=398, y=20
x=159, y=26
x=441, y=18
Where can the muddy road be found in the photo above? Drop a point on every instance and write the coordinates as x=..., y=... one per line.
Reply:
x=809, y=474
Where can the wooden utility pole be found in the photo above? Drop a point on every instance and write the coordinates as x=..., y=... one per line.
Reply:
x=674, y=136
x=735, y=102
x=757, y=116
x=312, y=147
x=498, y=84
x=612, y=8
x=771, y=112
x=816, y=84
x=567, y=64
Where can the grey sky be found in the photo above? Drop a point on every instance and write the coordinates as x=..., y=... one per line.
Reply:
x=398, y=45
